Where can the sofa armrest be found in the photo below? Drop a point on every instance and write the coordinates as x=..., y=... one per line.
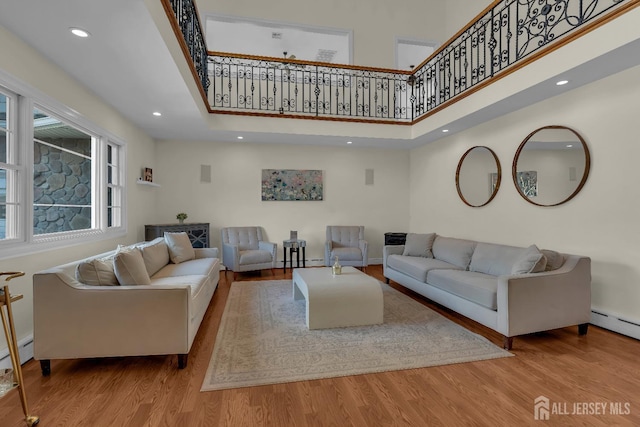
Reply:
x=72, y=320
x=536, y=302
x=230, y=256
x=364, y=248
x=328, y=247
x=387, y=251
x=206, y=252
x=272, y=248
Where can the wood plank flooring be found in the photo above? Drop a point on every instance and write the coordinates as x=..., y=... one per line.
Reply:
x=601, y=367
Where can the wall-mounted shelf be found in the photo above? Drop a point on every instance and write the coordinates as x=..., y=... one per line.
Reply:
x=152, y=184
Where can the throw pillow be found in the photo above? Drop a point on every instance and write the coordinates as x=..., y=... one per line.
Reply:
x=129, y=268
x=531, y=261
x=180, y=249
x=419, y=245
x=155, y=256
x=554, y=259
x=97, y=272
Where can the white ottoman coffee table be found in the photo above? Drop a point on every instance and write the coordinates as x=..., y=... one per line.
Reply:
x=349, y=299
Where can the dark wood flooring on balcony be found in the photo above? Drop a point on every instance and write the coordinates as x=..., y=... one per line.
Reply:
x=576, y=373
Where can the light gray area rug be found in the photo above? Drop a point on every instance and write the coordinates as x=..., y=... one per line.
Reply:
x=263, y=339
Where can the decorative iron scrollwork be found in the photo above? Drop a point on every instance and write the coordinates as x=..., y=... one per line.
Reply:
x=505, y=34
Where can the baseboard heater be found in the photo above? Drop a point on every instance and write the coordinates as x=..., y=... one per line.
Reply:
x=615, y=323
x=25, y=348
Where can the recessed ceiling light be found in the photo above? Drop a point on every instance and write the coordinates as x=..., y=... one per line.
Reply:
x=562, y=82
x=157, y=113
x=445, y=130
x=79, y=32
x=569, y=145
x=349, y=142
x=241, y=137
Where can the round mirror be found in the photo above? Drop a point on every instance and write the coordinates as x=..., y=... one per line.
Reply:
x=551, y=166
x=478, y=176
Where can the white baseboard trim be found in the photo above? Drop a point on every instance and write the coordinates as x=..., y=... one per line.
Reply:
x=25, y=348
x=615, y=323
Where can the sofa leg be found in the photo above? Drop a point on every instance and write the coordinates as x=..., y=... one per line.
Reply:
x=182, y=361
x=507, y=343
x=45, y=367
x=583, y=328
x=386, y=279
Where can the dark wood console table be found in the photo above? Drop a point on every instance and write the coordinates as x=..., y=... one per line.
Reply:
x=198, y=232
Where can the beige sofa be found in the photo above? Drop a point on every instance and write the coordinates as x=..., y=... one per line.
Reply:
x=511, y=290
x=122, y=308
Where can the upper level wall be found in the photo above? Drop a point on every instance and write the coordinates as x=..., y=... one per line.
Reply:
x=458, y=13
x=375, y=23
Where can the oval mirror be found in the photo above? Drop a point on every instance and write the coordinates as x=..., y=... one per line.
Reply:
x=478, y=176
x=551, y=166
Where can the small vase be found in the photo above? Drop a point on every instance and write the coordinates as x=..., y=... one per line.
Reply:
x=337, y=268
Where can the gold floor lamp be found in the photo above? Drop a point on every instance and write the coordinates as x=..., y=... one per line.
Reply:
x=10, y=333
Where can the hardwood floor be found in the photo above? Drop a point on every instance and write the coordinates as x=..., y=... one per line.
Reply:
x=601, y=367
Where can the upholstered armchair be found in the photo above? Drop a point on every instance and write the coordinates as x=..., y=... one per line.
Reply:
x=243, y=249
x=348, y=244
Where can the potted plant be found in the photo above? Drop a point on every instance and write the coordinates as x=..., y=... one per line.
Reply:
x=181, y=217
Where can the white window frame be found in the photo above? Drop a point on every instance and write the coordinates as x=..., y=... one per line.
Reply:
x=26, y=242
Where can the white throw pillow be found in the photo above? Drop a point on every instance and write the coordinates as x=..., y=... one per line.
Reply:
x=129, y=268
x=531, y=261
x=180, y=249
x=155, y=256
x=419, y=245
x=97, y=272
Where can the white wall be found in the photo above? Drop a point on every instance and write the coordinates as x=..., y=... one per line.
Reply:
x=459, y=13
x=234, y=199
x=22, y=62
x=600, y=222
x=375, y=23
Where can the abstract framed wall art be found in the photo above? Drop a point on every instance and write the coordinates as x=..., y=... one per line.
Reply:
x=292, y=185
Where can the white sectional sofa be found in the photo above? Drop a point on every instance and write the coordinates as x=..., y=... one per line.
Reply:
x=146, y=299
x=511, y=290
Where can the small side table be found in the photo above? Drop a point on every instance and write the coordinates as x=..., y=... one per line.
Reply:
x=294, y=245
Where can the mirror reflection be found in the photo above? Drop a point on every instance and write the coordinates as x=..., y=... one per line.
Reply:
x=478, y=176
x=551, y=166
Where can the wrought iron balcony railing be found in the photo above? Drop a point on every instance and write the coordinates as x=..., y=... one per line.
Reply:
x=507, y=33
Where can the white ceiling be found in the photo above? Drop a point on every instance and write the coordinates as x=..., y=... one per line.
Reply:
x=127, y=64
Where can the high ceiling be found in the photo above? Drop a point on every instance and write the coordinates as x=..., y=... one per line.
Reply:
x=126, y=63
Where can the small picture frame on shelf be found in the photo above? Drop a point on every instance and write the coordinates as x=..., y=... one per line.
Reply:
x=147, y=175
x=293, y=235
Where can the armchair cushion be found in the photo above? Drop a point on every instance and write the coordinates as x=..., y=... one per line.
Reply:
x=255, y=257
x=347, y=254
